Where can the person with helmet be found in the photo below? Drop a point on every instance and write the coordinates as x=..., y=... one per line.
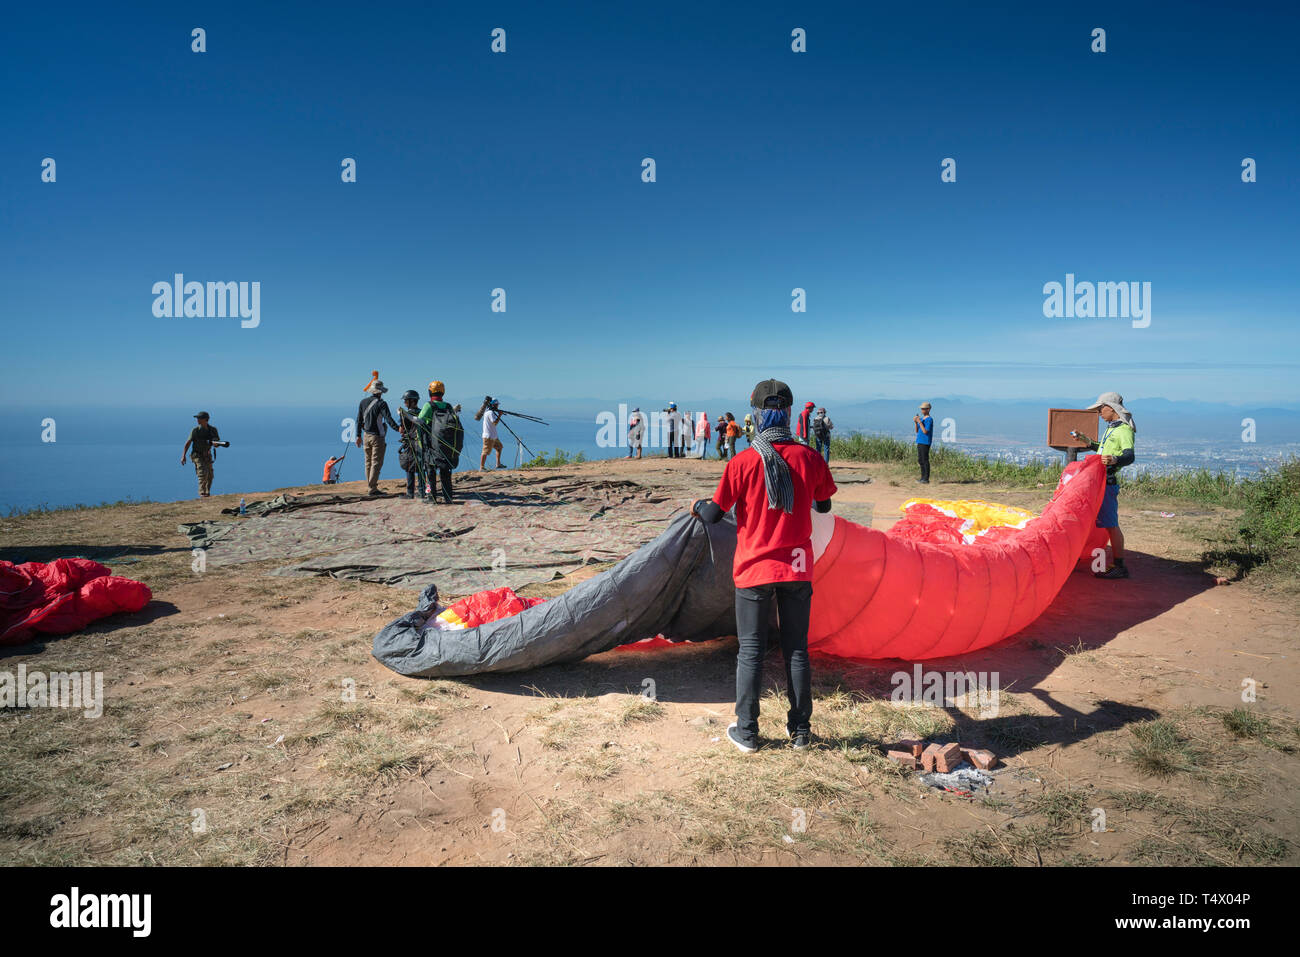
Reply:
x=411, y=446
x=773, y=486
x=447, y=436
x=373, y=421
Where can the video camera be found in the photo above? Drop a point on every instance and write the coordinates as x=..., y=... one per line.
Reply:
x=488, y=402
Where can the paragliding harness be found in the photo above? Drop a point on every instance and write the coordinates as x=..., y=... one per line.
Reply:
x=334, y=467
x=425, y=445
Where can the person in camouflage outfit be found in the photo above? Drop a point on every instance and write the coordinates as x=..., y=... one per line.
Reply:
x=202, y=438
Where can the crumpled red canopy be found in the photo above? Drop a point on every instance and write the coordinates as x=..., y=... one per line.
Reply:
x=61, y=597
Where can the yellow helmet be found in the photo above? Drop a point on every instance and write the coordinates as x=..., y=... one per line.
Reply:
x=437, y=388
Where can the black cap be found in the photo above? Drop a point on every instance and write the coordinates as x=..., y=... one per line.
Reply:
x=771, y=389
x=202, y=415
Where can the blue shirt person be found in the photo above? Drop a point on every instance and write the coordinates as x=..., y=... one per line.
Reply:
x=924, y=424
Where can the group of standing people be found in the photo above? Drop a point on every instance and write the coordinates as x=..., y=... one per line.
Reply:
x=432, y=438
x=685, y=432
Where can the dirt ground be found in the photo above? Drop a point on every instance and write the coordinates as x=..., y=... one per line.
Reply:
x=246, y=722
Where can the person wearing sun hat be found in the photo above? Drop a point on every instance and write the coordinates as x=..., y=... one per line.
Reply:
x=1116, y=448
x=773, y=486
x=374, y=419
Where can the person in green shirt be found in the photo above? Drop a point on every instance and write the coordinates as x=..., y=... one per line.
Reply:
x=1116, y=448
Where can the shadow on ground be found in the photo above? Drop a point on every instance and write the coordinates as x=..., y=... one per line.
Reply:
x=1088, y=613
x=154, y=611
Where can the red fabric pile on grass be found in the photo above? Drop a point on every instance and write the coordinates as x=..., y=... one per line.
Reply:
x=62, y=596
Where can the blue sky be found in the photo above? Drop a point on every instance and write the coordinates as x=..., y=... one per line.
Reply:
x=523, y=171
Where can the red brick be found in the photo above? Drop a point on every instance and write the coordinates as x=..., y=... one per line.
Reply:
x=948, y=758
x=905, y=758
x=928, y=757
x=914, y=745
x=980, y=758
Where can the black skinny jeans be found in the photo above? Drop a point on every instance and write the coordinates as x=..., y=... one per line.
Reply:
x=923, y=457
x=753, y=605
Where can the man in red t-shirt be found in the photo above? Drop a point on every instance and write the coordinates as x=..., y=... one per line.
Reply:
x=773, y=486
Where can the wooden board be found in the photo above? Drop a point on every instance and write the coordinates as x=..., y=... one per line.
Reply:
x=1061, y=421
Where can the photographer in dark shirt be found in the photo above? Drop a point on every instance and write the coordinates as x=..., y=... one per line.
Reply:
x=198, y=448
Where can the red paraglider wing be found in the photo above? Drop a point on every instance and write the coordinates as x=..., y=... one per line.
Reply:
x=881, y=596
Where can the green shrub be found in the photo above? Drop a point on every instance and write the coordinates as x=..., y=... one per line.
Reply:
x=557, y=458
x=1268, y=531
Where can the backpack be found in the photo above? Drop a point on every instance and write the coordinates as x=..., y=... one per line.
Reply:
x=822, y=426
x=448, y=437
x=371, y=415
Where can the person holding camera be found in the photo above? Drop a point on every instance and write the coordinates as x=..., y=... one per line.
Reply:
x=203, y=437
x=1117, y=449
x=924, y=424
x=491, y=443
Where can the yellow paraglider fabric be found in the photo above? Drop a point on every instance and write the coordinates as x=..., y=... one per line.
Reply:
x=973, y=517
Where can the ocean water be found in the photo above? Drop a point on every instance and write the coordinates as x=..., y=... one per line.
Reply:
x=134, y=455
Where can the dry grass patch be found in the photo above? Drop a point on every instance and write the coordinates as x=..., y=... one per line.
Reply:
x=638, y=710
x=1180, y=831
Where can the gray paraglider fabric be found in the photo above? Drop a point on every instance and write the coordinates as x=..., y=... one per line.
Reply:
x=678, y=585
